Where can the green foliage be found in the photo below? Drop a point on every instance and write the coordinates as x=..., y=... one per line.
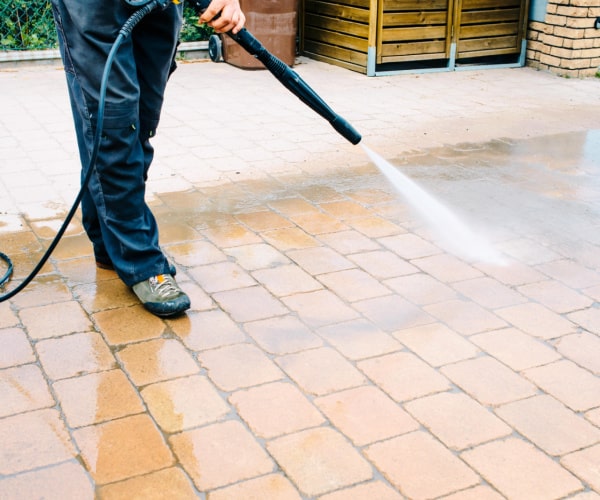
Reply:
x=29, y=25
x=191, y=31
x=26, y=25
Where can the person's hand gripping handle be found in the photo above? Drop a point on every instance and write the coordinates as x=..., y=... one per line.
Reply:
x=222, y=15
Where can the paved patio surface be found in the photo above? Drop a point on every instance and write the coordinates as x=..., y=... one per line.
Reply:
x=335, y=349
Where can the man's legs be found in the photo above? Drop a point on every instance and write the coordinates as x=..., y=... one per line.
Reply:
x=116, y=217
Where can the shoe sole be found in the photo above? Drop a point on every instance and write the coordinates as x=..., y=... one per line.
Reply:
x=166, y=310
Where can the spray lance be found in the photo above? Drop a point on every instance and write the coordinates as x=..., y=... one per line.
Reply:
x=288, y=77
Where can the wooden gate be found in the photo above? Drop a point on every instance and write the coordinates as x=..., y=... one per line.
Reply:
x=414, y=30
x=378, y=36
x=489, y=27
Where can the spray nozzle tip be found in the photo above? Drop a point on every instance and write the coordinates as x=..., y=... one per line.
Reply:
x=346, y=130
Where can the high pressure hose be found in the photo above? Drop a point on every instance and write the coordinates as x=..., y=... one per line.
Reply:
x=147, y=6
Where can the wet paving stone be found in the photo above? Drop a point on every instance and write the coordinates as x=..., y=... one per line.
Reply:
x=336, y=347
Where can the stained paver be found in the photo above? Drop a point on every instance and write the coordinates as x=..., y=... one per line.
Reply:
x=335, y=348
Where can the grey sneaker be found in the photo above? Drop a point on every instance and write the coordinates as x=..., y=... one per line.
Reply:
x=161, y=295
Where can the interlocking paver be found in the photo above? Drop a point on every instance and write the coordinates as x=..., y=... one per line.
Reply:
x=15, y=348
x=289, y=238
x=404, y=376
x=489, y=381
x=409, y=246
x=122, y=448
x=374, y=489
x=156, y=360
x=556, y=296
x=264, y=220
x=594, y=416
x=33, y=439
x=128, y=324
x=196, y=253
x=82, y=270
x=537, y=320
x=349, y=242
x=513, y=273
x=542, y=477
x=55, y=319
x=282, y=335
x=221, y=277
x=273, y=486
x=465, y=317
x=559, y=378
x=375, y=227
x=184, y=403
x=319, y=308
x=420, y=467
x=320, y=260
x=529, y=251
x=549, y=424
x=286, y=280
x=587, y=318
x=421, y=289
x=457, y=420
x=359, y=339
x=271, y=410
x=366, y=415
x=48, y=290
x=382, y=264
x=392, y=312
x=103, y=295
x=446, y=268
x=516, y=349
x=250, y=304
x=317, y=223
x=571, y=273
x=97, y=397
x=437, y=344
x=220, y=454
x=66, y=480
x=321, y=371
x=7, y=316
x=336, y=347
x=257, y=256
x=489, y=293
x=23, y=388
x=207, y=330
x=476, y=493
x=584, y=464
x=319, y=460
x=353, y=285
x=582, y=348
x=239, y=365
x=163, y=483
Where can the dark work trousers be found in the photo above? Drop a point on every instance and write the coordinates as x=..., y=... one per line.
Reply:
x=116, y=218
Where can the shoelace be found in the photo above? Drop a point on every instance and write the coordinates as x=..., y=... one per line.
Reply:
x=164, y=286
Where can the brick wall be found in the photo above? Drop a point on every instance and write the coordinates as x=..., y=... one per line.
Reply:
x=566, y=42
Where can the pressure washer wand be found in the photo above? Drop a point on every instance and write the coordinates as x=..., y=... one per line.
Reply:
x=290, y=79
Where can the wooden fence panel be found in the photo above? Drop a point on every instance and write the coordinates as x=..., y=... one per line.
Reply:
x=489, y=27
x=413, y=30
x=403, y=31
x=337, y=31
